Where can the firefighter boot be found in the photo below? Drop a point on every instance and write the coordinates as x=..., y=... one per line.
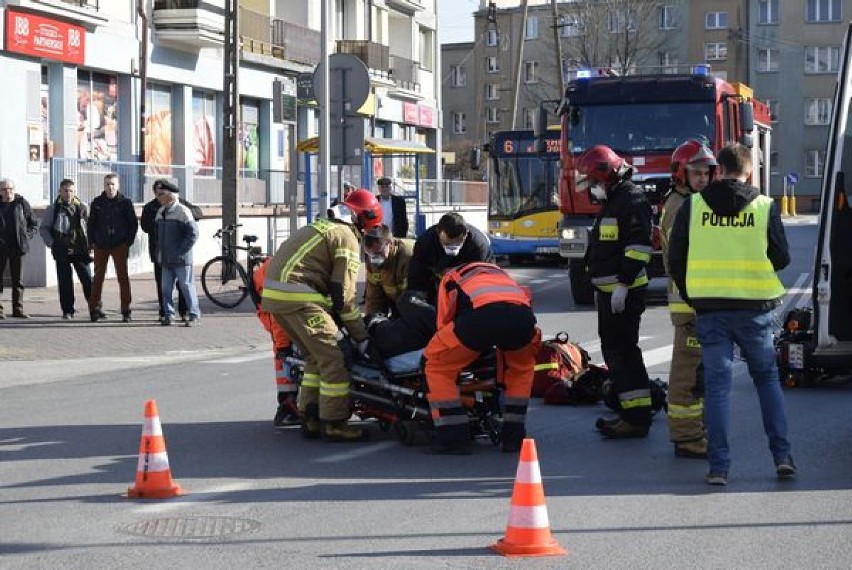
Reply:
x=622, y=429
x=513, y=436
x=696, y=449
x=311, y=422
x=606, y=422
x=340, y=430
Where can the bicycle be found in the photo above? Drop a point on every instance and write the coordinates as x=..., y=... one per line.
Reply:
x=225, y=282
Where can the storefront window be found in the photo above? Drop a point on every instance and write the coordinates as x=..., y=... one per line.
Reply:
x=158, y=129
x=97, y=116
x=204, y=131
x=248, y=151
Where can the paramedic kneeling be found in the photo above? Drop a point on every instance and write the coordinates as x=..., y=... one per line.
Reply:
x=479, y=307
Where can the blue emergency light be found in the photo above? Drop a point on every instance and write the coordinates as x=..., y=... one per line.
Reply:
x=702, y=69
x=584, y=73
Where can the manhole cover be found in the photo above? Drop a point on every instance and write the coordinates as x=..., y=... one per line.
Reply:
x=190, y=527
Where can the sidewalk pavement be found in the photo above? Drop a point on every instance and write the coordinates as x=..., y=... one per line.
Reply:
x=46, y=337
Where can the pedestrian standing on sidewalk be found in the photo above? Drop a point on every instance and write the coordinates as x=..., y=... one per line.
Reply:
x=17, y=227
x=147, y=223
x=177, y=233
x=63, y=229
x=112, y=230
x=726, y=246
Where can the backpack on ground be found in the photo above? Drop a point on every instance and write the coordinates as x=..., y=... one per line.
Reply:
x=563, y=374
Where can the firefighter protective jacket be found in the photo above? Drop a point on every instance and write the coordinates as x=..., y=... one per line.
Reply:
x=318, y=264
x=620, y=241
x=386, y=283
x=671, y=205
x=429, y=263
x=475, y=285
x=734, y=228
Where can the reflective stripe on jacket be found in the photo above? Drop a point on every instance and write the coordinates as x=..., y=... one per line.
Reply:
x=727, y=254
x=482, y=284
x=674, y=200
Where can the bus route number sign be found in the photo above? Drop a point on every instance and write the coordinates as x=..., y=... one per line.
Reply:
x=510, y=146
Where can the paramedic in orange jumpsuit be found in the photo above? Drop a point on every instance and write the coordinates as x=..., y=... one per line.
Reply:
x=480, y=307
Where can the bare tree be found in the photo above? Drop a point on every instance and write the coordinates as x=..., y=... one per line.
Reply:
x=461, y=169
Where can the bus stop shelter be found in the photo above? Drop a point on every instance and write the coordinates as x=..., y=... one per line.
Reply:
x=374, y=149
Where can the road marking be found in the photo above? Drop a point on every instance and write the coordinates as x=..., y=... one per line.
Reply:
x=788, y=299
x=197, y=496
x=237, y=359
x=661, y=355
x=355, y=453
x=537, y=281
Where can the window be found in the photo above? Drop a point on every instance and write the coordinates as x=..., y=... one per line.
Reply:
x=716, y=20
x=814, y=163
x=459, y=123
x=492, y=91
x=768, y=59
x=491, y=115
x=823, y=11
x=668, y=62
x=458, y=76
x=715, y=51
x=817, y=111
x=529, y=118
x=530, y=72
x=773, y=162
x=492, y=65
x=97, y=119
x=767, y=12
x=427, y=48
x=822, y=59
x=667, y=19
x=491, y=37
x=774, y=109
x=570, y=26
x=621, y=20
x=532, y=28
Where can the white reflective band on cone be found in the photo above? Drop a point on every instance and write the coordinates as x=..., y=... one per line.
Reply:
x=152, y=427
x=155, y=461
x=528, y=472
x=529, y=517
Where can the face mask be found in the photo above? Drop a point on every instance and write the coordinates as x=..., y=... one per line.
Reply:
x=376, y=259
x=452, y=250
x=598, y=192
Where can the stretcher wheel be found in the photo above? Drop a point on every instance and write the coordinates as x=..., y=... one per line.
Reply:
x=407, y=432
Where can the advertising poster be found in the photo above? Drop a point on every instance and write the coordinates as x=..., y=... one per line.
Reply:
x=97, y=116
x=158, y=131
x=204, y=132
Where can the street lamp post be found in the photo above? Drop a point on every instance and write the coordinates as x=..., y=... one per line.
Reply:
x=231, y=114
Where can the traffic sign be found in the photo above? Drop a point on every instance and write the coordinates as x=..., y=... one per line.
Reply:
x=350, y=84
x=792, y=177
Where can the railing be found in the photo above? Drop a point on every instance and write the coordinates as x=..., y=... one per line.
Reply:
x=176, y=4
x=299, y=44
x=94, y=4
x=453, y=193
x=374, y=56
x=404, y=72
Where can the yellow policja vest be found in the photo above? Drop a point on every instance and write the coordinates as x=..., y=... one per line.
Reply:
x=727, y=254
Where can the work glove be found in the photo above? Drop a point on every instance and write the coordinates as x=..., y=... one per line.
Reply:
x=619, y=298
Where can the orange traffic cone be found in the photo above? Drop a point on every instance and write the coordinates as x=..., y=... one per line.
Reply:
x=528, y=529
x=153, y=476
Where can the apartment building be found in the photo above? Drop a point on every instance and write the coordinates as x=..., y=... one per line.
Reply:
x=78, y=68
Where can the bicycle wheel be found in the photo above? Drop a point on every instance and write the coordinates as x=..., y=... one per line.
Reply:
x=224, y=282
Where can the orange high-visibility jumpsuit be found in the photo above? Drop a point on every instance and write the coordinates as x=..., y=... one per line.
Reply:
x=480, y=307
x=286, y=386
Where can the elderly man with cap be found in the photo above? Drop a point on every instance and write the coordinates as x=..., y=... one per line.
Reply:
x=176, y=233
x=393, y=208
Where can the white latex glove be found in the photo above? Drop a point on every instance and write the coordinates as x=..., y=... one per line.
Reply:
x=619, y=298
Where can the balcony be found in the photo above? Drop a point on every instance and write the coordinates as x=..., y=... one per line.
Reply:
x=405, y=73
x=190, y=24
x=278, y=38
x=409, y=7
x=375, y=56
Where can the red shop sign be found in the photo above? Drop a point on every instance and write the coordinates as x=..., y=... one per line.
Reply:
x=409, y=113
x=34, y=35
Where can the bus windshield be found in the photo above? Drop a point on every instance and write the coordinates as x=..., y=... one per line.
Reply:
x=641, y=127
x=523, y=185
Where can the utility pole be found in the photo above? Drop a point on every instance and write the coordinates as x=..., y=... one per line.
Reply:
x=231, y=115
x=324, y=177
x=556, y=30
x=520, y=62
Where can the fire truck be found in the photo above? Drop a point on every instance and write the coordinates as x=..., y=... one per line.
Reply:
x=643, y=118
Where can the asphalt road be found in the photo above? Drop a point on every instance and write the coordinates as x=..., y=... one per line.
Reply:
x=261, y=498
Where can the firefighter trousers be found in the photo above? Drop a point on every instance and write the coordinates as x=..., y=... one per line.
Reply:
x=686, y=392
x=325, y=383
x=619, y=334
x=512, y=330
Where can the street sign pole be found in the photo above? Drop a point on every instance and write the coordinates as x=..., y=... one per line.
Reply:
x=325, y=130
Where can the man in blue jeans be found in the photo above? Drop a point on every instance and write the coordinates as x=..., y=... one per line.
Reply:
x=725, y=248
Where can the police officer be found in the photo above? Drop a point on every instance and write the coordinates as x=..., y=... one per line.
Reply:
x=480, y=307
x=312, y=278
x=692, y=167
x=618, y=253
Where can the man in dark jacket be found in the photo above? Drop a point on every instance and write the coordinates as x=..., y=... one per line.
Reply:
x=726, y=245
x=394, y=213
x=619, y=251
x=112, y=230
x=449, y=243
x=63, y=229
x=17, y=227
x=147, y=223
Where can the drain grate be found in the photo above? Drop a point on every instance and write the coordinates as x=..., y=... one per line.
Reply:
x=190, y=527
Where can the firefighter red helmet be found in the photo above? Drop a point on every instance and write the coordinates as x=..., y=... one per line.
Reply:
x=691, y=153
x=365, y=206
x=600, y=163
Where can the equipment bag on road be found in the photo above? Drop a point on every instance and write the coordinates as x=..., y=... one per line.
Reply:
x=563, y=374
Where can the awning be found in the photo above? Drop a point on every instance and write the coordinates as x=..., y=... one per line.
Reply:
x=374, y=146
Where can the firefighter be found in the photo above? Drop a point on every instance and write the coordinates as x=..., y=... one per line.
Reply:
x=692, y=168
x=387, y=270
x=287, y=387
x=445, y=245
x=480, y=307
x=311, y=280
x=618, y=253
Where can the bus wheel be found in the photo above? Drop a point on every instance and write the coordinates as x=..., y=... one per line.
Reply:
x=581, y=284
x=515, y=259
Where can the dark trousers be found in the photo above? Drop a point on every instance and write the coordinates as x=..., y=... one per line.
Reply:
x=65, y=280
x=119, y=255
x=619, y=334
x=158, y=277
x=15, y=263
